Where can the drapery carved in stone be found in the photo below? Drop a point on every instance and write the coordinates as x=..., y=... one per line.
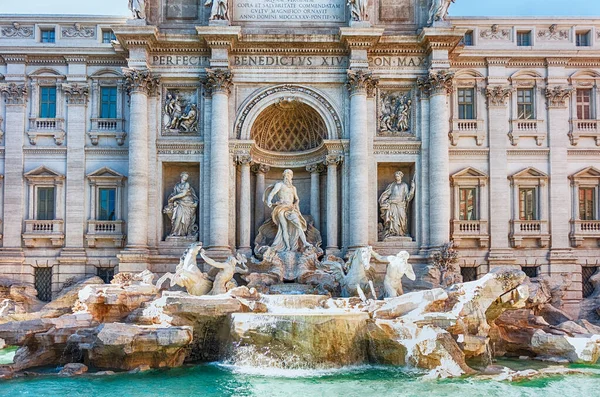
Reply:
x=77, y=30
x=497, y=95
x=180, y=111
x=394, y=113
x=553, y=33
x=358, y=10
x=436, y=82
x=77, y=94
x=495, y=33
x=218, y=80
x=141, y=80
x=16, y=30
x=557, y=96
x=361, y=81
x=289, y=126
x=15, y=94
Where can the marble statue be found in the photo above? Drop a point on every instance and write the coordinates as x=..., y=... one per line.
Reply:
x=291, y=225
x=394, y=206
x=395, y=113
x=397, y=267
x=224, y=281
x=181, y=209
x=439, y=10
x=358, y=10
x=188, y=275
x=138, y=8
x=218, y=10
x=359, y=275
x=180, y=113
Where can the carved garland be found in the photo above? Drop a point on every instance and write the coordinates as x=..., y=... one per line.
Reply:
x=76, y=94
x=497, y=95
x=437, y=82
x=16, y=94
x=141, y=80
x=16, y=30
x=78, y=31
x=291, y=89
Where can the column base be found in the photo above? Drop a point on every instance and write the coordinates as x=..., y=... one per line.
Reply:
x=133, y=260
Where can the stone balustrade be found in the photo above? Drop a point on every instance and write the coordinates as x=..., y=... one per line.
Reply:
x=111, y=233
x=467, y=128
x=529, y=229
x=584, y=128
x=581, y=230
x=41, y=232
x=475, y=230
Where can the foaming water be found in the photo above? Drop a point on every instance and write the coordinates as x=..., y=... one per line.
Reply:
x=278, y=372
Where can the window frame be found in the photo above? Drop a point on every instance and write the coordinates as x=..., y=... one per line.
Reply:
x=39, y=197
x=581, y=105
x=110, y=102
x=524, y=104
x=47, y=103
x=587, y=34
x=111, y=34
x=473, y=104
x=44, y=177
x=534, y=202
x=524, y=33
x=464, y=202
x=50, y=31
x=470, y=42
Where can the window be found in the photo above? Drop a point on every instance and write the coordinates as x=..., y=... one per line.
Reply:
x=582, y=39
x=43, y=283
x=584, y=104
x=586, y=274
x=108, y=103
x=468, y=274
x=45, y=203
x=108, y=36
x=106, y=273
x=466, y=103
x=48, y=102
x=527, y=204
x=47, y=36
x=530, y=271
x=525, y=103
x=587, y=203
x=524, y=39
x=468, y=38
x=106, y=204
x=467, y=204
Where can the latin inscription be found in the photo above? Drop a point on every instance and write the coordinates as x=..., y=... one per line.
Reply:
x=397, y=62
x=289, y=10
x=289, y=61
x=180, y=60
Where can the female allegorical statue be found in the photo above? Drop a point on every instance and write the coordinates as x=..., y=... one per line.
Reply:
x=181, y=208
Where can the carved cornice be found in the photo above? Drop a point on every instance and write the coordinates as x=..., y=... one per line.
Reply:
x=17, y=31
x=77, y=94
x=557, y=96
x=78, y=31
x=394, y=147
x=179, y=148
x=361, y=82
x=498, y=94
x=436, y=82
x=15, y=94
x=218, y=80
x=141, y=80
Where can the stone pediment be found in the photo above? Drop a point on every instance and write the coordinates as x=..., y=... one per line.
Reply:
x=43, y=173
x=529, y=173
x=589, y=173
x=106, y=174
x=469, y=174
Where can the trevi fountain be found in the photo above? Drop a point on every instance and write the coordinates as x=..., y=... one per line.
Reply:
x=290, y=315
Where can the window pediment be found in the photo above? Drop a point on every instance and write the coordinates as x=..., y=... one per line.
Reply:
x=43, y=174
x=106, y=175
x=589, y=175
x=469, y=176
x=530, y=174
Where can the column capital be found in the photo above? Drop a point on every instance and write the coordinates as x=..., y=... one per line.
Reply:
x=557, y=96
x=77, y=94
x=15, y=94
x=333, y=159
x=437, y=82
x=498, y=94
x=258, y=168
x=141, y=80
x=315, y=168
x=361, y=81
x=243, y=159
x=218, y=80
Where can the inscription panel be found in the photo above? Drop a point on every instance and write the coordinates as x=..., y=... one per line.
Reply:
x=396, y=10
x=289, y=11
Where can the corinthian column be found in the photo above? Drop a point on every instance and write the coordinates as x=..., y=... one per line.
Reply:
x=359, y=82
x=259, y=207
x=218, y=84
x=243, y=160
x=140, y=84
x=438, y=85
x=315, y=196
x=332, y=161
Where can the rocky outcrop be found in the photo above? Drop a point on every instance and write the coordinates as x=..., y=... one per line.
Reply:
x=114, y=302
x=16, y=299
x=72, y=369
x=64, y=302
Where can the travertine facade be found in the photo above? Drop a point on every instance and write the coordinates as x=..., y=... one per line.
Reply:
x=496, y=120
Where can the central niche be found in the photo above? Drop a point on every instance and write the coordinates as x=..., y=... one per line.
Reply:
x=289, y=126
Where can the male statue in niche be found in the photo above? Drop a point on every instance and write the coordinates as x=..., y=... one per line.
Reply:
x=393, y=203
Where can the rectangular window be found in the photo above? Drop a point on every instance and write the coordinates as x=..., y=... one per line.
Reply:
x=47, y=102
x=582, y=39
x=587, y=203
x=467, y=204
x=525, y=103
x=530, y=271
x=108, y=36
x=106, y=206
x=43, y=283
x=468, y=274
x=466, y=103
x=586, y=274
x=47, y=36
x=468, y=38
x=528, y=204
x=524, y=39
x=106, y=273
x=45, y=203
x=584, y=104
x=108, y=103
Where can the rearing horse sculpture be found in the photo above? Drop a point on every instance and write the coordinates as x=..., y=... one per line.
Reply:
x=188, y=275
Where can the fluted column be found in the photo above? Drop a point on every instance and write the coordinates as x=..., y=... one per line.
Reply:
x=315, y=193
x=243, y=161
x=259, y=206
x=140, y=83
x=218, y=83
x=359, y=82
x=332, y=161
x=438, y=85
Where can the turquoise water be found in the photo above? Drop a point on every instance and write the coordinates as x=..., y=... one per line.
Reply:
x=216, y=380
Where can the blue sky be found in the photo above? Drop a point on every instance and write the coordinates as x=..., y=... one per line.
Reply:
x=460, y=8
